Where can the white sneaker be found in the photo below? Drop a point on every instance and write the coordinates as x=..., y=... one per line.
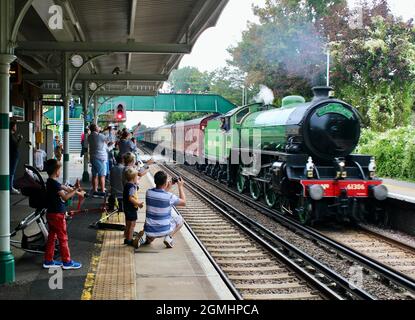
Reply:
x=140, y=239
x=14, y=191
x=168, y=241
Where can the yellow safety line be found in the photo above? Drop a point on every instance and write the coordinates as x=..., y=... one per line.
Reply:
x=91, y=275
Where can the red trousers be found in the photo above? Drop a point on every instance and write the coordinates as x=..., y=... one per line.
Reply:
x=57, y=229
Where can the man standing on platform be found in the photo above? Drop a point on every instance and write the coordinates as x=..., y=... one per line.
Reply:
x=98, y=155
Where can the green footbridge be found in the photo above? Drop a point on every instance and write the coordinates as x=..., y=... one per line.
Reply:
x=209, y=103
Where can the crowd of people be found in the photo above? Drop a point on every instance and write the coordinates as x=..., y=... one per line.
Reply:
x=114, y=155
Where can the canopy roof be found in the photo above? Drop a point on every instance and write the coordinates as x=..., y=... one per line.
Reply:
x=144, y=39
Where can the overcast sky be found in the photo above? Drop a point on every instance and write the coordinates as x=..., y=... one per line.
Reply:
x=210, y=52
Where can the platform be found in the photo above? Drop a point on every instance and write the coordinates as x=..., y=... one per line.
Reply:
x=400, y=190
x=154, y=272
x=111, y=270
x=182, y=273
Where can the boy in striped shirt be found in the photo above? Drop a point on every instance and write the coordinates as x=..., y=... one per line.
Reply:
x=161, y=220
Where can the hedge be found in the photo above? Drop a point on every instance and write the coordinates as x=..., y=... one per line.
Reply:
x=394, y=151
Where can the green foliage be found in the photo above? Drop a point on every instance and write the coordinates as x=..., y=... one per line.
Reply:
x=227, y=82
x=394, y=150
x=189, y=77
x=372, y=67
x=284, y=52
x=378, y=65
x=173, y=117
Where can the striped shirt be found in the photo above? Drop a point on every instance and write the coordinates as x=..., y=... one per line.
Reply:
x=158, y=212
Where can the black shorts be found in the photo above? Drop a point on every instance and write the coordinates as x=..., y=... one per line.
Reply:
x=131, y=216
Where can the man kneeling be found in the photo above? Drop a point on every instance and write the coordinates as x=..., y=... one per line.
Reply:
x=161, y=220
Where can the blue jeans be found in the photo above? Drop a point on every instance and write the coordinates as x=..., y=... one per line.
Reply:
x=13, y=166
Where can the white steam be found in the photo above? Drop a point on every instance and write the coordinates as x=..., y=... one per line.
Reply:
x=265, y=95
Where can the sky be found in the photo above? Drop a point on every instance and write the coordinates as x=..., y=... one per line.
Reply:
x=210, y=51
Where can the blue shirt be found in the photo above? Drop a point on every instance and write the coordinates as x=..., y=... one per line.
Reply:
x=158, y=212
x=55, y=203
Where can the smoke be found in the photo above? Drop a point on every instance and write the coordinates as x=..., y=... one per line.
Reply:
x=297, y=53
x=265, y=95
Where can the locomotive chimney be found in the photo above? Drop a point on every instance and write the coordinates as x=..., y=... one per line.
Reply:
x=321, y=93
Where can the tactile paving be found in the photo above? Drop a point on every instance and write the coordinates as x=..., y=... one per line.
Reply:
x=115, y=276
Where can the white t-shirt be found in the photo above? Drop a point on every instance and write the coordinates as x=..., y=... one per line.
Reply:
x=40, y=157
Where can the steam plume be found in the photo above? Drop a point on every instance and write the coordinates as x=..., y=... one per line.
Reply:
x=265, y=95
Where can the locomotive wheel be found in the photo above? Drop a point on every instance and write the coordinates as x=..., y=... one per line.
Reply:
x=255, y=189
x=270, y=196
x=305, y=212
x=240, y=182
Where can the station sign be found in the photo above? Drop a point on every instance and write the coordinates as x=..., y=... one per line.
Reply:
x=18, y=113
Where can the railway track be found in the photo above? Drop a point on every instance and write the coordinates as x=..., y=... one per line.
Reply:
x=254, y=272
x=400, y=285
x=248, y=255
x=384, y=282
x=392, y=253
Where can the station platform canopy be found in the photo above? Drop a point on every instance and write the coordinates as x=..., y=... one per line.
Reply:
x=135, y=44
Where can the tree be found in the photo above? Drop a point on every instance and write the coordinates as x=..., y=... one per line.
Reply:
x=375, y=70
x=372, y=67
x=189, y=78
x=173, y=117
x=229, y=82
x=285, y=51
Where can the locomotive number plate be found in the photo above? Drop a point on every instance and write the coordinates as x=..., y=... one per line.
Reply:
x=355, y=186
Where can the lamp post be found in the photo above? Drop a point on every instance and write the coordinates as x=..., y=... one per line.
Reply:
x=328, y=66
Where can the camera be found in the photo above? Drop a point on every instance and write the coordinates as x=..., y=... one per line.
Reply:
x=175, y=180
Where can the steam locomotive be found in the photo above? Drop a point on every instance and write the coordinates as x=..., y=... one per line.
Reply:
x=297, y=158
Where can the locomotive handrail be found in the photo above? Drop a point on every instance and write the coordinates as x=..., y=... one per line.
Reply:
x=361, y=169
